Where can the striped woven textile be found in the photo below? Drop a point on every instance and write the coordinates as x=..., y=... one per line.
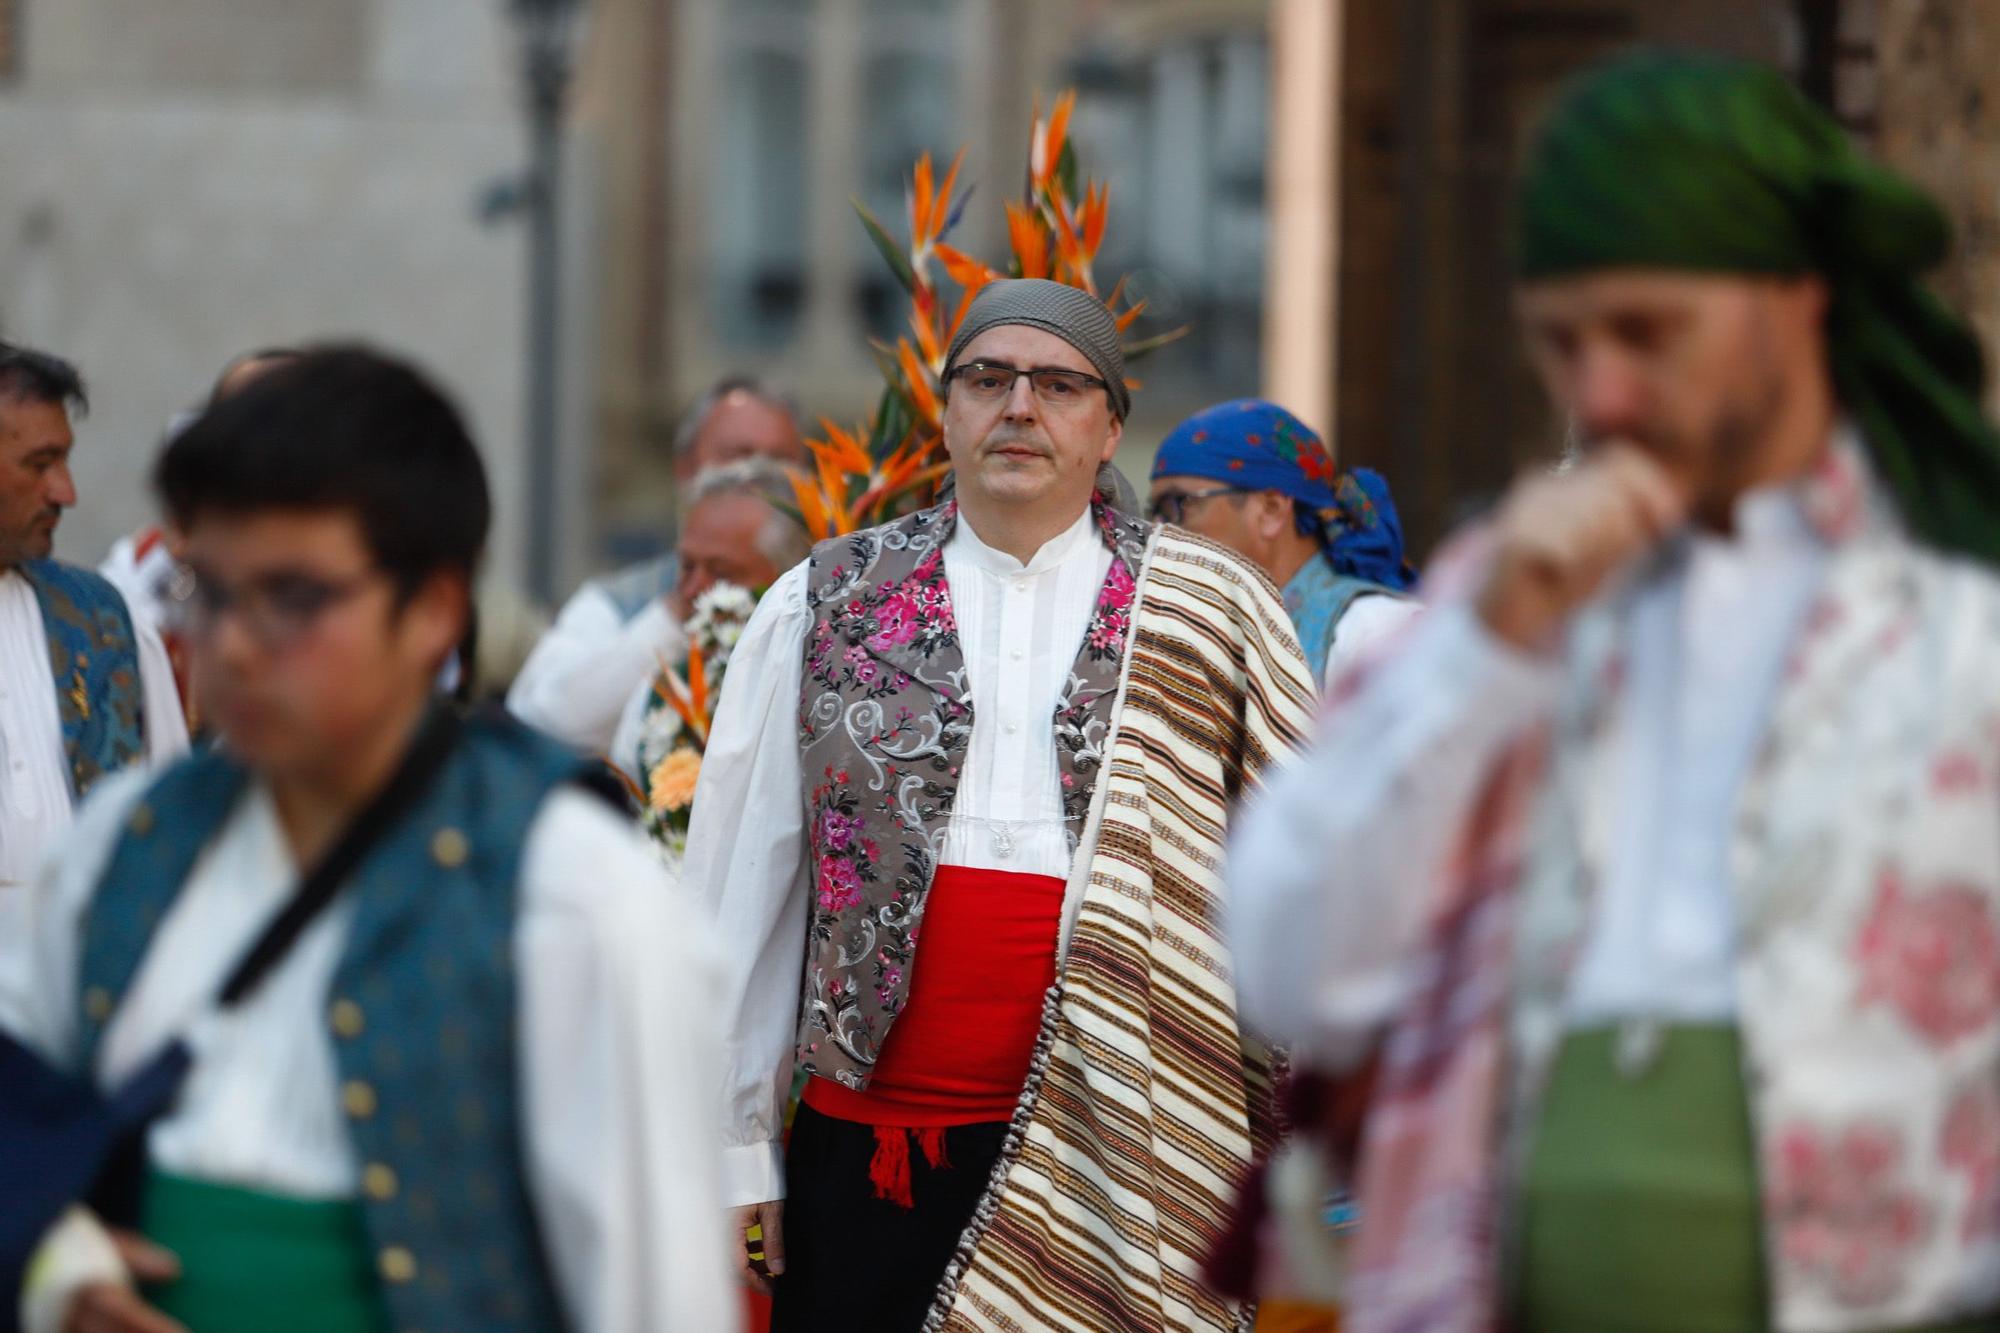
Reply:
x=1146, y=1102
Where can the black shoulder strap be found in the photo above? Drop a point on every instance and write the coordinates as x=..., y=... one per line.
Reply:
x=425, y=758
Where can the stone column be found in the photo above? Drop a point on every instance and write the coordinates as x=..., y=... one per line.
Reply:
x=1302, y=257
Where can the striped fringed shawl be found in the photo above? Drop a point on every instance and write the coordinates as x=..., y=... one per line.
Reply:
x=1146, y=1102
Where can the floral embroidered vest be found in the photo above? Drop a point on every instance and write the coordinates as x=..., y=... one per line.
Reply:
x=885, y=719
x=94, y=656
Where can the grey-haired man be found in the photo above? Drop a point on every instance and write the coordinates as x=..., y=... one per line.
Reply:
x=612, y=635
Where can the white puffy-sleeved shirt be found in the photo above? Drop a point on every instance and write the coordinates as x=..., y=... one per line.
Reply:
x=618, y=1051
x=576, y=683
x=1371, y=620
x=1021, y=627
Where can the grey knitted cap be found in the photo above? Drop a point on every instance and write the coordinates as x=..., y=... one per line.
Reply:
x=1072, y=314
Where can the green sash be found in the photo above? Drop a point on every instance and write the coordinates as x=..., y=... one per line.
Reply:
x=1639, y=1212
x=253, y=1262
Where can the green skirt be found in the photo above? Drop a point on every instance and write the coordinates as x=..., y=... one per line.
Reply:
x=1639, y=1211
x=254, y=1263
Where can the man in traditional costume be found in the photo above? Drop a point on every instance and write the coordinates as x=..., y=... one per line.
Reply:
x=1014, y=724
x=477, y=1091
x=611, y=636
x=1667, y=848
x=1252, y=476
x=741, y=529
x=85, y=689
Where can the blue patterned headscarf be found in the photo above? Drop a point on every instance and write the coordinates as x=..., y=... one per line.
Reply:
x=1255, y=445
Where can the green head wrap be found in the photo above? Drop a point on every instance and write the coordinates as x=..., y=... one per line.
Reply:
x=1719, y=165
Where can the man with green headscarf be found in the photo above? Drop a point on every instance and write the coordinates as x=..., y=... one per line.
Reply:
x=1667, y=855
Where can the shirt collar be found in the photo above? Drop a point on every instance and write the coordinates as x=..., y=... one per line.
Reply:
x=1838, y=497
x=1829, y=503
x=1057, y=549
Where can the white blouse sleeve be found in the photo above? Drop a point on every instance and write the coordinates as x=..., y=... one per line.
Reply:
x=746, y=868
x=1369, y=623
x=1330, y=870
x=40, y=950
x=166, y=725
x=620, y=1060
x=581, y=673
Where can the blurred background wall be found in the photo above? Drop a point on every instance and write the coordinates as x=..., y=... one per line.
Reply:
x=182, y=180
x=1317, y=186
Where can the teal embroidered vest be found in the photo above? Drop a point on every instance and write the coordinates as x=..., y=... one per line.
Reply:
x=94, y=657
x=422, y=1013
x=1317, y=598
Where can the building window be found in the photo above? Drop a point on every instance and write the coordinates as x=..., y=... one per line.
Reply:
x=760, y=254
x=1179, y=133
x=909, y=107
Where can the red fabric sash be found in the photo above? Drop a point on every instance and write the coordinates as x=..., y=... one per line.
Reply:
x=959, y=1052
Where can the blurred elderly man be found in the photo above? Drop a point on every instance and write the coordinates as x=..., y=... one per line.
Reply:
x=85, y=687
x=612, y=635
x=1668, y=847
x=1015, y=722
x=1254, y=477
x=740, y=529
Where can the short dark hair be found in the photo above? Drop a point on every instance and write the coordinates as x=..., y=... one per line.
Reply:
x=341, y=428
x=40, y=377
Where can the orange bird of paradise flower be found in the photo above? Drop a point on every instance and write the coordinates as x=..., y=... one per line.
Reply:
x=894, y=462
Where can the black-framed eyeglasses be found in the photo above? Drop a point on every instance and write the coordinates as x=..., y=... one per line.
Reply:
x=275, y=610
x=1171, y=507
x=992, y=382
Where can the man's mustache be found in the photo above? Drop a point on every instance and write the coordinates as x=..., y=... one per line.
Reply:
x=1012, y=437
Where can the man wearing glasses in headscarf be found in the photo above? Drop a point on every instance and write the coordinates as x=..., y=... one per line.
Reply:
x=1254, y=477
x=1017, y=722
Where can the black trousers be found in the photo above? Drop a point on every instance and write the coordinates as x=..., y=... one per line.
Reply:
x=858, y=1264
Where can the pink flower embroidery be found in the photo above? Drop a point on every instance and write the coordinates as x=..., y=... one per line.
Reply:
x=1934, y=957
x=836, y=830
x=1972, y=1145
x=1113, y=618
x=897, y=619
x=1846, y=1220
x=1825, y=617
x=1958, y=773
x=839, y=884
x=1116, y=594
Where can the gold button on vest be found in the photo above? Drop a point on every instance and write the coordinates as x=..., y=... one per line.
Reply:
x=358, y=1099
x=378, y=1182
x=449, y=848
x=347, y=1019
x=397, y=1264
